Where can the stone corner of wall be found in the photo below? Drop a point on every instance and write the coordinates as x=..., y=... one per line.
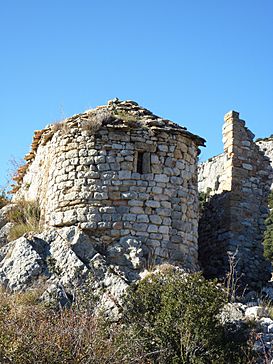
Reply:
x=231, y=115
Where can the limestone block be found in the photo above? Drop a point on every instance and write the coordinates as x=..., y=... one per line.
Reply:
x=21, y=265
x=255, y=312
x=129, y=217
x=161, y=178
x=69, y=217
x=142, y=218
x=100, y=195
x=104, y=225
x=152, y=203
x=152, y=229
x=155, y=219
x=140, y=227
x=138, y=203
x=103, y=167
x=163, y=212
x=100, y=159
x=247, y=166
x=123, y=175
x=136, y=210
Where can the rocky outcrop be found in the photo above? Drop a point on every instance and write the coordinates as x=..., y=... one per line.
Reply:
x=254, y=315
x=64, y=260
x=5, y=225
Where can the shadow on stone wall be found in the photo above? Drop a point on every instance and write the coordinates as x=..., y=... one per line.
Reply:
x=227, y=235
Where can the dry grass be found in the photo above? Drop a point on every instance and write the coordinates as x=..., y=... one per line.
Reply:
x=96, y=120
x=60, y=125
x=127, y=117
x=91, y=124
x=25, y=216
x=32, y=333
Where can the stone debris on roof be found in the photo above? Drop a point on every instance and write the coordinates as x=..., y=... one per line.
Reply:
x=116, y=114
x=119, y=110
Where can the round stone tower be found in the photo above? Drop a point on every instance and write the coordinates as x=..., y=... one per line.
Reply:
x=121, y=174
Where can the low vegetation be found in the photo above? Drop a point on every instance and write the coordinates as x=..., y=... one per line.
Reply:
x=96, y=120
x=25, y=217
x=32, y=333
x=177, y=317
x=127, y=117
x=204, y=198
x=169, y=317
x=3, y=198
x=60, y=125
x=268, y=235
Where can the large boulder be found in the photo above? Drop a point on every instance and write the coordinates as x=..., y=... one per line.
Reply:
x=67, y=261
x=20, y=264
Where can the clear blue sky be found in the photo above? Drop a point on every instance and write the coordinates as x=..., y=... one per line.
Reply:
x=188, y=60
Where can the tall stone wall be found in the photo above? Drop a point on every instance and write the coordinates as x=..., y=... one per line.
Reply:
x=92, y=180
x=233, y=218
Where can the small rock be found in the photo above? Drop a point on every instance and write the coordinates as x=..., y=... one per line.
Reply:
x=255, y=312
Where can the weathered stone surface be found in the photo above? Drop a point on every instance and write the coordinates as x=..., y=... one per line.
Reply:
x=64, y=259
x=20, y=265
x=255, y=312
x=233, y=312
x=129, y=162
x=3, y=211
x=5, y=226
x=231, y=227
x=239, y=315
x=4, y=233
x=128, y=255
x=266, y=146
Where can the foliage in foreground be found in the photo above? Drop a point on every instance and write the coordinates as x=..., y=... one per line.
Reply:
x=32, y=333
x=169, y=318
x=25, y=216
x=178, y=318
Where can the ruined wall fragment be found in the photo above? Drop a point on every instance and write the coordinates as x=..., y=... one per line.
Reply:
x=233, y=218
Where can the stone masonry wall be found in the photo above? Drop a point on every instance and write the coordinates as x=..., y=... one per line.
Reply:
x=211, y=173
x=233, y=218
x=90, y=179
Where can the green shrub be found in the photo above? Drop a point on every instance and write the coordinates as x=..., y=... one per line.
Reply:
x=25, y=216
x=268, y=234
x=203, y=198
x=176, y=319
x=268, y=237
x=169, y=318
x=127, y=117
x=270, y=200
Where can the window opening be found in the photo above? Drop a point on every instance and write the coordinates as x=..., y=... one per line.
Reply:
x=143, y=162
x=140, y=162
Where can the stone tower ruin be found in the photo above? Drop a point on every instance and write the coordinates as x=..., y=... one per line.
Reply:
x=118, y=172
